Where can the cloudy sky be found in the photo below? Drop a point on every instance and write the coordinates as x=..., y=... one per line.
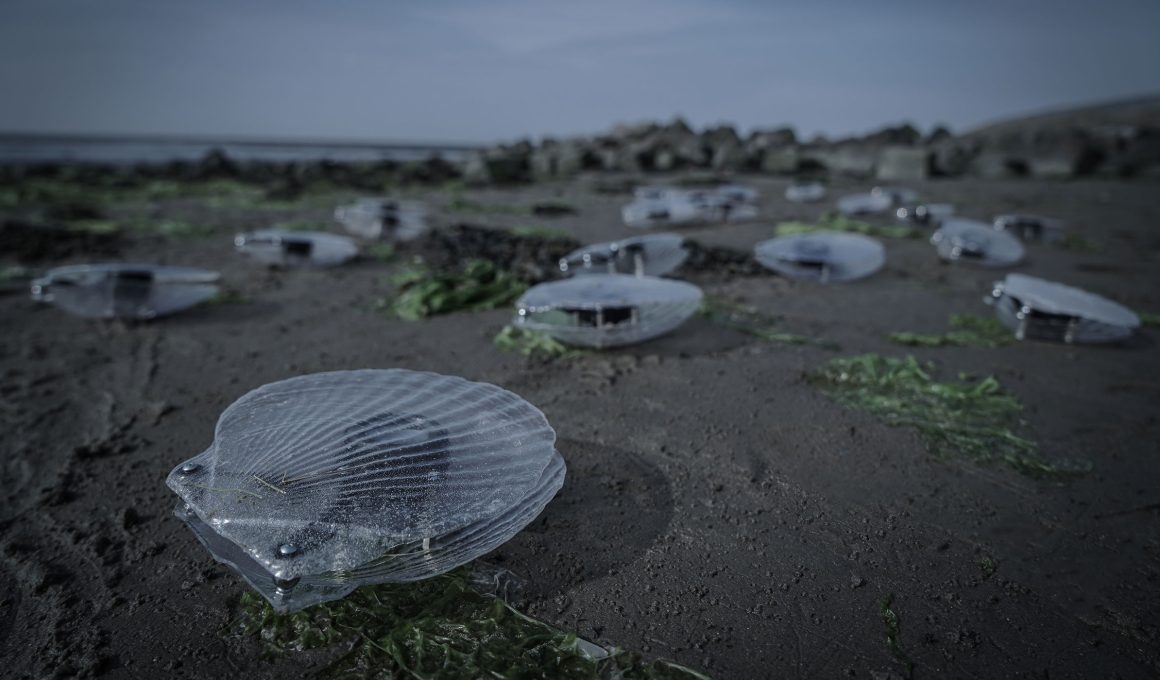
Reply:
x=453, y=70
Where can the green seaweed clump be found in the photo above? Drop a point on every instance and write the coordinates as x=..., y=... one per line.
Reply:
x=230, y=296
x=893, y=624
x=1076, y=243
x=969, y=331
x=842, y=223
x=423, y=292
x=442, y=628
x=381, y=251
x=460, y=204
x=1149, y=319
x=969, y=419
x=540, y=232
x=532, y=343
x=750, y=321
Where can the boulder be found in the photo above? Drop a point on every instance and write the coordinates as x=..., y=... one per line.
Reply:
x=728, y=158
x=952, y=157
x=780, y=160
x=903, y=163
x=995, y=165
x=900, y=135
x=1049, y=153
x=509, y=164
x=475, y=172
x=855, y=160
x=761, y=142
x=1134, y=151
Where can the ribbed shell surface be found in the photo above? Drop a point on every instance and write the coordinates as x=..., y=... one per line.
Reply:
x=347, y=466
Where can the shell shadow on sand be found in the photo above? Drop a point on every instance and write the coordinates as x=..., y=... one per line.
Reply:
x=614, y=504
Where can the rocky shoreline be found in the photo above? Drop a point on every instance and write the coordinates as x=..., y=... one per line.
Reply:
x=1112, y=141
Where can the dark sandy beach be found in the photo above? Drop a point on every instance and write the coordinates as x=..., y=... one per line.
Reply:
x=719, y=510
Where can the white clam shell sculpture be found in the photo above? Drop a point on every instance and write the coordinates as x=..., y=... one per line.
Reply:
x=651, y=255
x=607, y=310
x=320, y=484
x=863, y=204
x=978, y=243
x=383, y=219
x=805, y=193
x=824, y=256
x=125, y=291
x=1036, y=309
x=281, y=248
x=664, y=206
x=1030, y=227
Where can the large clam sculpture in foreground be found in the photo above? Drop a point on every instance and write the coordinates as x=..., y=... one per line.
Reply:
x=319, y=484
x=124, y=291
x=607, y=310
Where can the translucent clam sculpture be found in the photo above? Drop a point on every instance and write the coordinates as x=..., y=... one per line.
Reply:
x=608, y=310
x=737, y=193
x=647, y=213
x=319, y=484
x=676, y=207
x=280, y=248
x=898, y=195
x=959, y=240
x=1030, y=227
x=383, y=219
x=825, y=256
x=925, y=213
x=651, y=255
x=124, y=291
x=864, y=204
x=805, y=193
x=657, y=192
x=1044, y=310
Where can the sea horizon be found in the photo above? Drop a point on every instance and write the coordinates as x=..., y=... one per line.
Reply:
x=19, y=148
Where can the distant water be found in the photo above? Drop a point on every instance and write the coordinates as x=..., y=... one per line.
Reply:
x=18, y=149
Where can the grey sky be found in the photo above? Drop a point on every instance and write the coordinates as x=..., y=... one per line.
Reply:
x=452, y=70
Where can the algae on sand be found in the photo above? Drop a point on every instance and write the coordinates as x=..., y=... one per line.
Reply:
x=532, y=343
x=459, y=204
x=481, y=285
x=970, y=419
x=440, y=627
x=842, y=223
x=969, y=331
x=539, y=231
x=752, y=322
x=893, y=624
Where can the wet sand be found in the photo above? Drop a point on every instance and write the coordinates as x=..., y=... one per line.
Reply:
x=719, y=510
